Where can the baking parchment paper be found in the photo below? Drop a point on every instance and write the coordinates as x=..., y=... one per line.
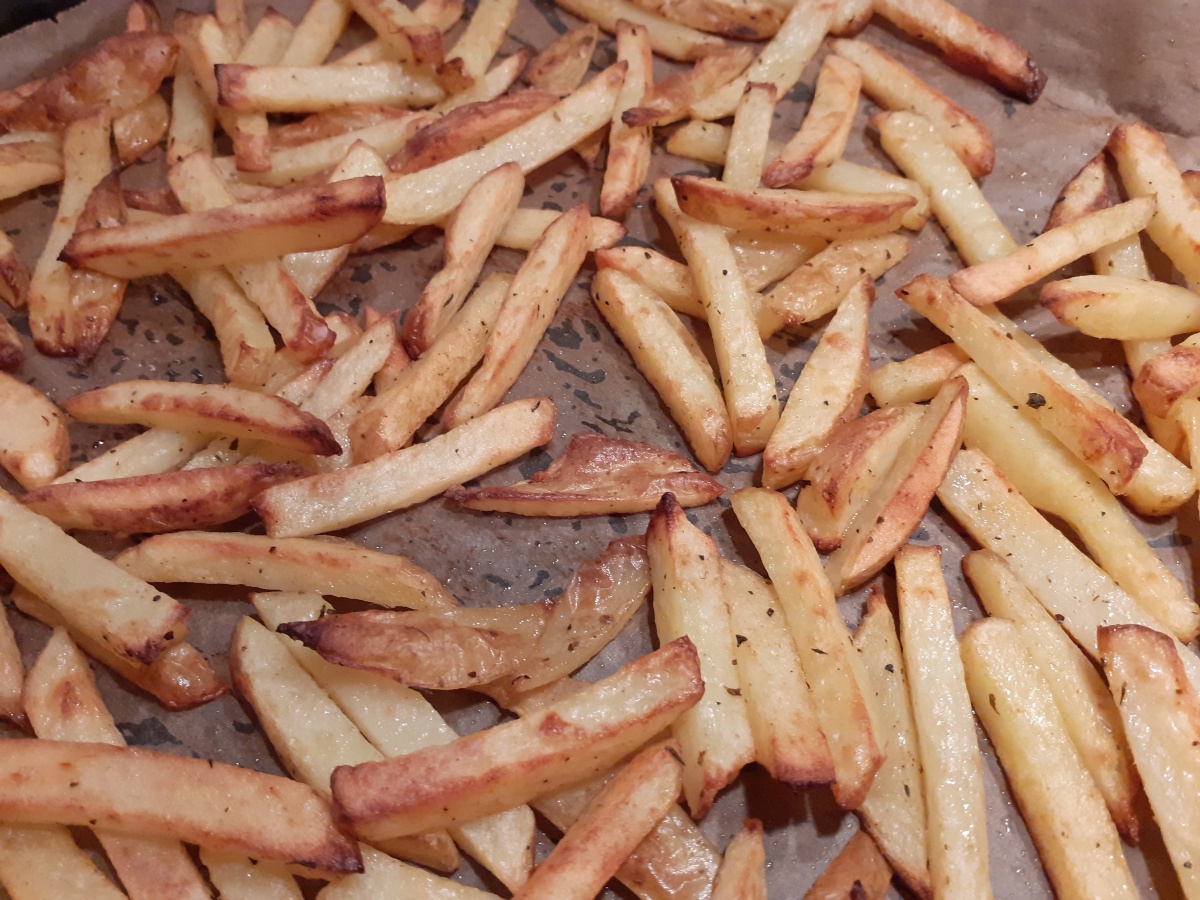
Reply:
x=1108, y=61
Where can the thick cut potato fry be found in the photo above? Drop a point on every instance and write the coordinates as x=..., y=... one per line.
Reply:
x=746, y=153
x=1076, y=841
x=743, y=874
x=43, y=862
x=241, y=878
x=894, y=811
x=1168, y=380
x=562, y=66
x=471, y=233
x=384, y=876
x=1050, y=478
x=750, y=20
x=828, y=393
x=152, y=452
x=994, y=280
x=788, y=741
x=479, y=43
x=337, y=568
x=150, y=504
x=300, y=89
x=532, y=301
x=1161, y=715
x=565, y=743
x=34, y=444
x=954, y=801
x=916, y=379
x=848, y=469
x=419, y=198
x=1089, y=714
x=667, y=355
x=491, y=85
x=791, y=212
x=95, y=596
x=832, y=669
x=26, y=165
x=668, y=280
x=629, y=147
x=139, y=131
x=227, y=807
x=669, y=39
x=749, y=384
x=859, y=872
x=192, y=117
x=671, y=98
x=331, y=123
x=220, y=409
x=401, y=31
x=247, y=345
x=1097, y=435
x=390, y=482
x=598, y=475
x=822, y=137
x=689, y=601
x=1108, y=306
x=611, y=827
x=899, y=501
x=1072, y=588
x=527, y=226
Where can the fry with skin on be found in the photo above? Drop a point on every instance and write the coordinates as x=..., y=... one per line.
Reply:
x=822, y=136
x=563, y=65
x=742, y=875
x=858, y=871
x=629, y=147
x=491, y=85
x=614, y=823
x=831, y=666
x=34, y=443
x=748, y=137
x=192, y=117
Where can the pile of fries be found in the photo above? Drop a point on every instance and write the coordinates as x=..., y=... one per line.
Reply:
x=274, y=151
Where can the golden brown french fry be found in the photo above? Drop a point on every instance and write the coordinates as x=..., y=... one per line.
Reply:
x=958, y=857
x=240, y=878
x=1108, y=306
x=742, y=875
x=406, y=37
x=746, y=153
x=26, y=165
x=917, y=378
x=306, y=89
x=479, y=43
x=138, y=131
x=629, y=147
x=14, y=288
x=562, y=65
x=671, y=98
x=567, y=742
x=527, y=226
x=491, y=85
x=689, y=601
x=829, y=391
x=1091, y=717
x=533, y=298
x=666, y=279
x=611, y=827
x=43, y=862
x=247, y=345
x=34, y=444
x=859, y=871
x=669, y=39
x=788, y=741
x=832, y=669
x=752, y=20
x=822, y=136
x=192, y=117
x=1161, y=714
x=1076, y=841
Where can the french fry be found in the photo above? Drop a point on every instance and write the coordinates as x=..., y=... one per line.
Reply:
x=822, y=136
x=247, y=345
x=387, y=483
x=14, y=290
x=12, y=354
x=831, y=667
x=318, y=33
x=1108, y=306
x=670, y=99
x=491, y=85
x=714, y=736
x=308, y=89
x=748, y=383
x=629, y=147
x=25, y=165
x=899, y=501
x=12, y=677
x=241, y=878
x=922, y=154
x=666, y=279
x=1168, y=380
x=958, y=857
x=567, y=742
x=64, y=705
x=829, y=391
x=471, y=233
x=612, y=826
x=858, y=871
x=43, y=862
x=917, y=378
x=479, y=43
x=422, y=197
x=994, y=280
x=852, y=17
x=192, y=117
x=1091, y=718
x=527, y=226
x=149, y=453
x=1055, y=482
x=1161, y=716
x=561, y=67
x=669, y=39
x=742, y=875
x=338, y=568
x=747, y=149
x=231, y=16
x=893, y=812
x=1076, y=841
x=335, y=122
x=891, y=85
x=781, y=60
x=533, y=298
x=753, y=20
x=788, y=741
x=34, y=444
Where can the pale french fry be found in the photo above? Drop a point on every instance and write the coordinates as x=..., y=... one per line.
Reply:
x=895, y=508
x=527, y=226
x=567, y=742
x=1107, y=306
x=263, y=47
x=43, y=862
x=666, y=279
x=858, y=871
x=532, y=300
x=471, y=233
x=958, y=856
x=247, y=345
x=917, y=378
x=231, y=16
x=752, y=20
x=671, y=98
x=387, y=877
x=893, y=813
x=64, y=705
x=822, y=136
x=492, y=85
x=781, y=60
x=832, y=669
x=149, y=453
x=406, y=37
x=1161, y=715
x=748, y=382
x=192, y=118
x=668, y=39
x=1072, y=588
x=1089, y=714
x=352, y=372
x=479, y=43
x=12, y=676
x=714, y=735
x=742, y=875
x=1076, y=841
x=318, y=33
x=788, y=741
x=629, y=147
x=306, y=89
x=1168, y=380
x=746, y=154
x=25, y=165
x=563, y=64
x=829, y=391
x=852, y=17
x=891, y=85
x=1050, y=478
x=994, y=280
x=34, y=444
x=241, y=878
